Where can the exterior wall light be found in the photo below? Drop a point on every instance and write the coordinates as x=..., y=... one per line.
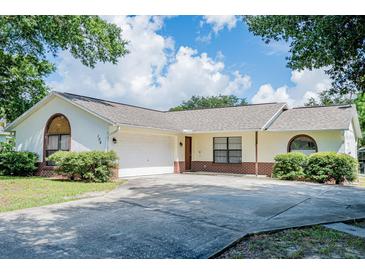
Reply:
x=114, y=140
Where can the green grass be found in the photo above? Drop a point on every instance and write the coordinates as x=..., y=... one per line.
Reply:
x=312, y=242
x=25, y=192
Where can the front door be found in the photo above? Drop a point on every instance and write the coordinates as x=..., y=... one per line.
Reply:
x=187, y=153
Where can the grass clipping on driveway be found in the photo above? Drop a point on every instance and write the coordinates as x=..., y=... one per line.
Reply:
x=313, y=242
x=25, y=192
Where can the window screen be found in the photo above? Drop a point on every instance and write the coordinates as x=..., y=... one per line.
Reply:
x=227, y=149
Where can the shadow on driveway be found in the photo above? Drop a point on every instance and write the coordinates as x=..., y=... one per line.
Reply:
x=172, y=216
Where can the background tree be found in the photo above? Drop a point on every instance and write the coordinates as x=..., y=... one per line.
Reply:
x=336, y=43
x=27, y=42
x=199, y=102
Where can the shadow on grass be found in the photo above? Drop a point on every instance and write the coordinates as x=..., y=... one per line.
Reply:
x=143, y=220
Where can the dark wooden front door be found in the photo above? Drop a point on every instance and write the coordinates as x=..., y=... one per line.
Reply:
x=187, y=153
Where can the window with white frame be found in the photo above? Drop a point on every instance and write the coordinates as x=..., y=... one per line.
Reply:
x=227, y=150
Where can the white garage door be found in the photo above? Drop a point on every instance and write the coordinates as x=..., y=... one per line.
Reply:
x=142, y=154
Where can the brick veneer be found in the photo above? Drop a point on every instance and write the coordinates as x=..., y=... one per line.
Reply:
x=49, y=171
x=179, y=167
x=45, y=171
x=241, y=168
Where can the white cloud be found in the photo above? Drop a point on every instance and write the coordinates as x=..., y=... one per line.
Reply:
x=154, y=74
x=307, y=84
x=277, y=48
x=219, y=22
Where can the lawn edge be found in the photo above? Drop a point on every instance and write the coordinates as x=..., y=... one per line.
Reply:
x=249, y=234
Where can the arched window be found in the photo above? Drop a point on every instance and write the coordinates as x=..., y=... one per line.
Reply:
x=302, y=143
x=57, y=135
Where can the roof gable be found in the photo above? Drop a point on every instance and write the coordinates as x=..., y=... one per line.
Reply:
x=315, y=118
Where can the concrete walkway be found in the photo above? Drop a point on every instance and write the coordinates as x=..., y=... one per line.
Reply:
x=172, y=216
x=349, y=229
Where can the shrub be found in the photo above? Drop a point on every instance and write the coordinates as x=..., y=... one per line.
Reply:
x=96, y=166
x=331, y=166
x=289, y=166
x=18, y=163
x=8, y=145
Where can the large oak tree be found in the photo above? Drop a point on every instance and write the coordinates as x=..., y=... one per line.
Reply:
x=335, y=43
x=27, y=42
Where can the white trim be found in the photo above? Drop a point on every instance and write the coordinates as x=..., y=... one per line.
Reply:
x=286, y=130
x=45, y=100
x=218, y=131
x=355, y=120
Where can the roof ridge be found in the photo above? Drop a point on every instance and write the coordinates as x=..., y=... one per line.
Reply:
x=337, y=105
x=164, y=111
x=247, y=105
x=109, y=101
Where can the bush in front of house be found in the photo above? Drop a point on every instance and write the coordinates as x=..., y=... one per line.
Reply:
x=289, y=166
x=331, y=166
x=90, y=166
x=18, y=163
x=7, y=145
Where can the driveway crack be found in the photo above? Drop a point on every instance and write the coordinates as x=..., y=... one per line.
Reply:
x=290, y=207
x=179, y=215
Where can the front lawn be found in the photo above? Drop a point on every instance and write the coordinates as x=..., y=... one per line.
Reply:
x=24, y=192
x=312, y=242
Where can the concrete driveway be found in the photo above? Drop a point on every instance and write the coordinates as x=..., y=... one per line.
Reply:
x=172, y=216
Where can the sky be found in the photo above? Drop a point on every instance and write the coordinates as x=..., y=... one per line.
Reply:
x=174, y=58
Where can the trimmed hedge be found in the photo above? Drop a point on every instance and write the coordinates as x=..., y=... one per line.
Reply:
x=330, y=166
x=17, y=163
x=320, y=167
x=289, y=166
x=95, y=166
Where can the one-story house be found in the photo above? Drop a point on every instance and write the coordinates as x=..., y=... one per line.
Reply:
x=240, y=139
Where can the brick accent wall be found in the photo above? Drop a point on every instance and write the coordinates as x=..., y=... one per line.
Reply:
x=49, y=171
x=241, y=168
x=45, y=171
x=179, y=167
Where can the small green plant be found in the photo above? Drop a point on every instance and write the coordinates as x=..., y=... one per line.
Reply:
x=289, y=166
x=18, y=163
x=8, y=145
x=331, y=166
x=95, y=166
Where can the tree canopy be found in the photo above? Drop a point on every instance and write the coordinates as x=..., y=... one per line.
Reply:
x=199, y=102
x=27, y=42
x=335, y=43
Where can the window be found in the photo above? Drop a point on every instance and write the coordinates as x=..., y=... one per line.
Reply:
x=227, y=150
x=302, y=143
x=57, y=135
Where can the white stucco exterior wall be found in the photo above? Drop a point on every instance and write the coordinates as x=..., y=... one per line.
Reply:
x=350, y=141
x=87, y=131
x=272, y=143
x=269, y=143
x=202, y=145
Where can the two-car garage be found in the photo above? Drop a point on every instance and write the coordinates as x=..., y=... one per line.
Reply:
x=144, y=153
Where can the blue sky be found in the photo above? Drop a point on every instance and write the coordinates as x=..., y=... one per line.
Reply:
x=173, y=58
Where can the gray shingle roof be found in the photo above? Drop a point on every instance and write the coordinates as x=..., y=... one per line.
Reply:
x=314, y=118
x=248, y=117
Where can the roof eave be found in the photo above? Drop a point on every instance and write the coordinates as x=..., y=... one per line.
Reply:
x=45, y=100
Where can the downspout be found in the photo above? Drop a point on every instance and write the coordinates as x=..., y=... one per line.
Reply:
x=256, y=154
x=108, y=136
